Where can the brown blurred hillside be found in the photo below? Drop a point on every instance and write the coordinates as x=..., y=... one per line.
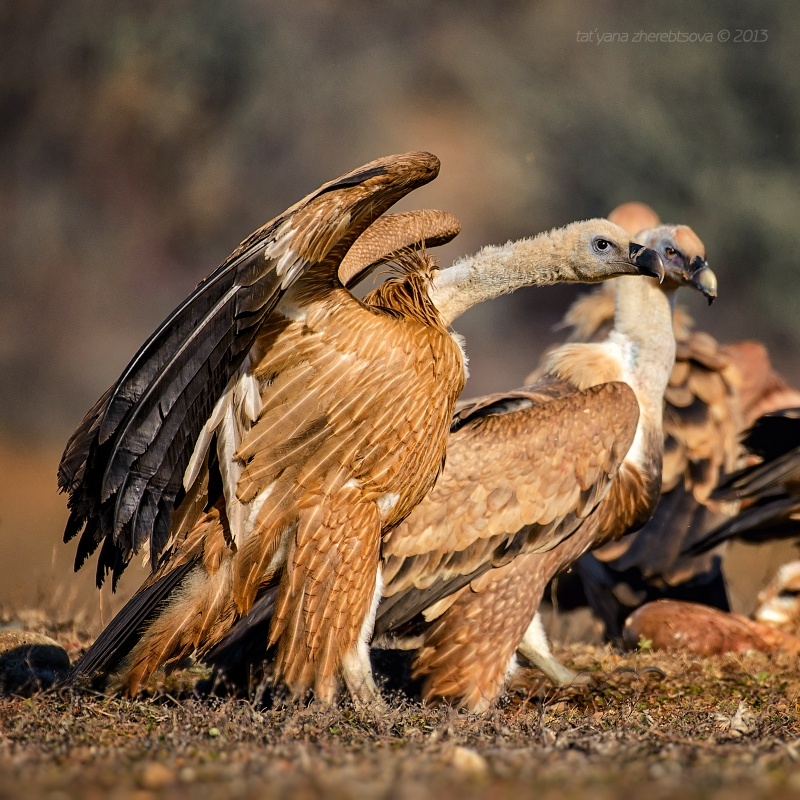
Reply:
x=141, y=141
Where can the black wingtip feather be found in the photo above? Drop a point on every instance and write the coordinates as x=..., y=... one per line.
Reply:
x=87, y=544
x=774, y=434
x=124, y=631
x=764, y=521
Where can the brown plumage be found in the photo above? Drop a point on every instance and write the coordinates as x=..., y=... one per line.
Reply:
x=301, y=455
x=264, y=455
x=712, y=394
x=474, y=512
x=390, y=235
x=760, y=388
x=533, y=478
x=769, y=490
x=468, y=650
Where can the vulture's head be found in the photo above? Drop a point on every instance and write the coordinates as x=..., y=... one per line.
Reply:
x=681, y=249
x=684, y=257
x=597, y=249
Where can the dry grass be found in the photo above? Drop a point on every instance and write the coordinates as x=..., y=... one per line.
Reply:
x=721, y=727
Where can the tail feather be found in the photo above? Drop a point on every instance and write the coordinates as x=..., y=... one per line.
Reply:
x=122, y=633
x=199, y=615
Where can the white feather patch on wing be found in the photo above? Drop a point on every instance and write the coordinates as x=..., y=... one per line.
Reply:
x=233, y=415
x=438, y=608
x=228, y=440
x=254, y=508
x=280, y=246
x=204, y=441
x=462, y=346
x=386, y=503
x=291, y=310
x=281, y=554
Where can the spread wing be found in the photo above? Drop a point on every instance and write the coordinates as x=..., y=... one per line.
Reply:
x=123, y=468
x=522, y=471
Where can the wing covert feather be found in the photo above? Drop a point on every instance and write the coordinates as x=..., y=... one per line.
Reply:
x=537, y=469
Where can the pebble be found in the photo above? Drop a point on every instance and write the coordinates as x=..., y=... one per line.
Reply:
x=156, y=776
x=30, y=661
x=470, y=762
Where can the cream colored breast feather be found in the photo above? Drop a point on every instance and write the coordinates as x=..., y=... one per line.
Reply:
x=586, y=365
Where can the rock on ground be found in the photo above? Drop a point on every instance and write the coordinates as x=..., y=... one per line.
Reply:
x=30, y=662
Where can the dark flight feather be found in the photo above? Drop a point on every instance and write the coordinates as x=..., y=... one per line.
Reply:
x=123, y=632
x=123, y=467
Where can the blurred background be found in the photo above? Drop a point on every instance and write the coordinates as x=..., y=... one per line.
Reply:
x=140, y=141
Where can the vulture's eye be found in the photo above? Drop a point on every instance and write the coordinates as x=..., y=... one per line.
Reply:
x=601, y=245
x=670, y=252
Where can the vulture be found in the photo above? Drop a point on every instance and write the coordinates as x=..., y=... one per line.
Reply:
x=713, y=392
x=681, y=625
x=275, y=427
x=533, y=478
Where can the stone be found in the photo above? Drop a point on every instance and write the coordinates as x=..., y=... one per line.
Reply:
x=469, y=762
x=30, y=662
x=155, y=775
x=704, y=631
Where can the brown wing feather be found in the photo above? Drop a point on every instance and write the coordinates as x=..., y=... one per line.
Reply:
x=527, y=470
x=333, y=448
x=704, y=430
x=469, y=645
x=392, y=233
x=124, y=466
x=328, y=590
x=468, y=648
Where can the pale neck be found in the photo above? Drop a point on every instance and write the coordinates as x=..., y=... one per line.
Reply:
x=643, y=323
x=497, y=270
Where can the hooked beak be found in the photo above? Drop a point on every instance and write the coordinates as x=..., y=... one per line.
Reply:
x=702, y=278
x=648, y=261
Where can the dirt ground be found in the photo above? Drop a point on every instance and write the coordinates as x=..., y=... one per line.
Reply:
x=653, y=726
x=724, y=727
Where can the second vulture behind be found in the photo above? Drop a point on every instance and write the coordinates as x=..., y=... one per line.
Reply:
x=534, y=478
